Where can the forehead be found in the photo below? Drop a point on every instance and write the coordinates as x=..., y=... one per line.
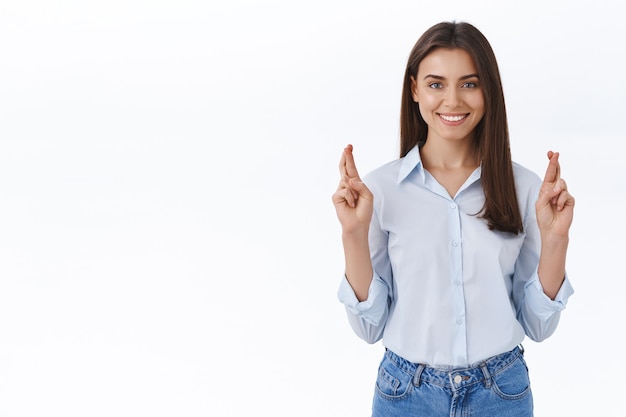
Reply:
x=447, y=63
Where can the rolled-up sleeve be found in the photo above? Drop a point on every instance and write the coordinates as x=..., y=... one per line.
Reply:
x=371, y=310
x=542, y=314
x=367, y=318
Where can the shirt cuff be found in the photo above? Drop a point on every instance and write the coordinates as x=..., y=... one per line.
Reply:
x=539, y=302
x=371, y=310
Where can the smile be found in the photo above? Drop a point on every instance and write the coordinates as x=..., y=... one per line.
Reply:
x=456, y=118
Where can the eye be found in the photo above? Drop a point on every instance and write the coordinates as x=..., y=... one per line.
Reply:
x=469, y=84
x=435, y=85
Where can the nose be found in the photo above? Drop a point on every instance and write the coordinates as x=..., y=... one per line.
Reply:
x=453, y=98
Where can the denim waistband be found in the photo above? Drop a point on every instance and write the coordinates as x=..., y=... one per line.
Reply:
x=458, y=377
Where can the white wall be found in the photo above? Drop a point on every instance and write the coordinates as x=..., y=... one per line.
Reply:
x=168, y=246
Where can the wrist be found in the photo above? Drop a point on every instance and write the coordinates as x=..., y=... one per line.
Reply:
x=554, y=241
x=357, y=234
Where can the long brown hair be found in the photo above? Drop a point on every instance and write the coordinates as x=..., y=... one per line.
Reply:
x=491, y=135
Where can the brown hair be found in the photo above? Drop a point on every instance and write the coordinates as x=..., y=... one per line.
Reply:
x=491, y=135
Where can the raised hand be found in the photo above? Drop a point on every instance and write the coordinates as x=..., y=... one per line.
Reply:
x=555, y=205
x=353, y=200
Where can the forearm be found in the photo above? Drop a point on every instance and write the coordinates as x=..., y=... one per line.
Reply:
x=551, y=268
x=359, y=269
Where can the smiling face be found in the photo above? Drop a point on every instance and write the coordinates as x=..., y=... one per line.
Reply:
x=449, y=94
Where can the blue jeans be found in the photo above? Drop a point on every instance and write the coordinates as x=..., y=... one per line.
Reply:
x=497, y=387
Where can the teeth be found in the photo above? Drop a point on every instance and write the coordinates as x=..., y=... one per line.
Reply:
x=452, y=118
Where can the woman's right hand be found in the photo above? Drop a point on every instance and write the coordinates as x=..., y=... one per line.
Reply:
x=353, y=200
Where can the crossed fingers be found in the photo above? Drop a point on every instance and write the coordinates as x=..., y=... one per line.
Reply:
x=555, y=186
x=348, y=171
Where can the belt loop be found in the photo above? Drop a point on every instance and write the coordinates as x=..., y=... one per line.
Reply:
x=486, y=374
x=521, y=348
x=418, y=375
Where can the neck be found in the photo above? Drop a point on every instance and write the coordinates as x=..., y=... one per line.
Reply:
x=449, y=155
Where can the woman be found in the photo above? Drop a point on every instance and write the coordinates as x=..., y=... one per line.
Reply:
x=453, y=253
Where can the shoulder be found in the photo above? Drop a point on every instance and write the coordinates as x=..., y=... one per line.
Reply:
x=524, y=177
x=527, y=186
x=383, y=176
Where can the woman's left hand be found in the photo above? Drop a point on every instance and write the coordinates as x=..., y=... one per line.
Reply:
x=555, y=205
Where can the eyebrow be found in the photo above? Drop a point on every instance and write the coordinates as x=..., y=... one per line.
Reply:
x=439, y=77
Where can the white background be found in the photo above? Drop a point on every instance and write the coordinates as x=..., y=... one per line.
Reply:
x=168, y=246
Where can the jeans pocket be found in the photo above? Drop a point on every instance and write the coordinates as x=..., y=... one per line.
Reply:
x=512, y=383
x=392, y=382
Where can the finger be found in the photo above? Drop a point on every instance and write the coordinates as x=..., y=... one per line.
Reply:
x=354, y=193
x=350, y=197
x=342, y=165
x=560, y=185
x=553, y=190
x=350, y=165
x=360, y=188
x=344, y=195
x=553, y=170
x=345, y=184
x=564, y=199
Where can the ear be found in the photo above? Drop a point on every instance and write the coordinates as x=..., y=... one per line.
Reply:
x=414, y=89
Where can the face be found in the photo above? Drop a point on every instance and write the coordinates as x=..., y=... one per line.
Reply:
x=449, y=94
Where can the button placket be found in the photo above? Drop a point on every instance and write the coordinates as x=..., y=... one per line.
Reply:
x=456, y=279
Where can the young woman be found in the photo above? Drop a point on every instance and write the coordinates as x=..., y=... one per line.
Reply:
x=453, y=253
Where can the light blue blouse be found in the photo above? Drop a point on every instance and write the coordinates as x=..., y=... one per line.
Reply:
x=446, y=290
